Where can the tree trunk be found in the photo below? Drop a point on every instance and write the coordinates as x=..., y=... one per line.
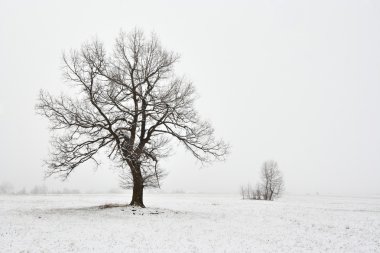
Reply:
x=138, y=188
x=137, y=196
x=271, y=195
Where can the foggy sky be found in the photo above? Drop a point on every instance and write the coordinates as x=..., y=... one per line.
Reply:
x=293, y=81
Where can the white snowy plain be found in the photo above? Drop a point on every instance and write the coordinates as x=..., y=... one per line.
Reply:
x=189, y=223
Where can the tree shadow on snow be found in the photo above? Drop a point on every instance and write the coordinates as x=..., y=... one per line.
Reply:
x=109, y=209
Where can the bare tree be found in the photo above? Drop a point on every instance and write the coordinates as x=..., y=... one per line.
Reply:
x=272, y=181
x=129, y=103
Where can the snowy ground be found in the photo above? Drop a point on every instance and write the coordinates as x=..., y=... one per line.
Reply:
x=189, y=223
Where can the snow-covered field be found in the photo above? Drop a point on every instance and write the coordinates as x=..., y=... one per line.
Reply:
x=189, y=223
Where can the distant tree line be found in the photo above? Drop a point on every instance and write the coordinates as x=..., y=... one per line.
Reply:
x=7, y=188
x=270, y=187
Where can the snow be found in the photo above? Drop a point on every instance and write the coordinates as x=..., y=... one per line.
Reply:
x=189, y=223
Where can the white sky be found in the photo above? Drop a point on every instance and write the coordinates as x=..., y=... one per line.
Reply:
x=294, y=81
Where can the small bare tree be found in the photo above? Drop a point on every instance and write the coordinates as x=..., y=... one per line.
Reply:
x=247, y=192
x=258, y=192
x=242, y=191
x=272, y=180
x=131, y=104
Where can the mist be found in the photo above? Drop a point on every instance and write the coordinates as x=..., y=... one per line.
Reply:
x=292, y=81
